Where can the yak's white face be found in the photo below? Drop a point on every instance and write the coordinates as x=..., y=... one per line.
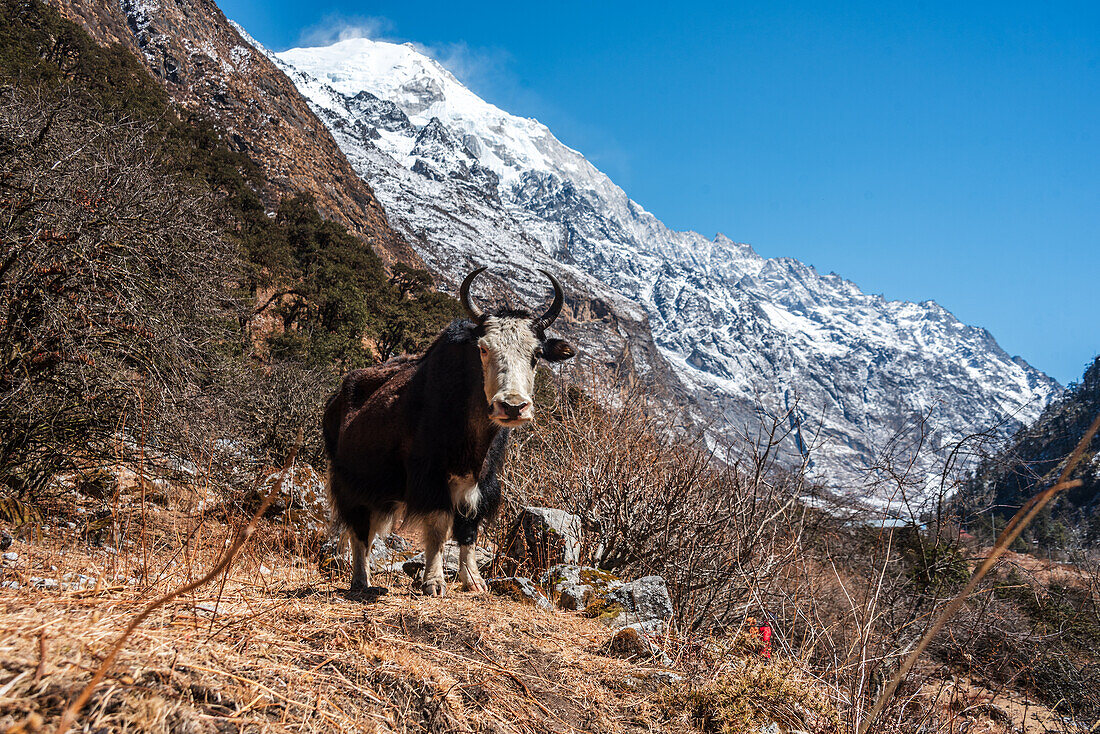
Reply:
x=509, y=352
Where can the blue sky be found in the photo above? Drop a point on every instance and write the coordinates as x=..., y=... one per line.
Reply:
x=945, y=151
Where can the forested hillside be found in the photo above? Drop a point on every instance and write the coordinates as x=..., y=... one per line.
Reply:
x=1034, y=458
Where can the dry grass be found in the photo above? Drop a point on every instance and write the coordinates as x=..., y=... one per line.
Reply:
x=272, y=646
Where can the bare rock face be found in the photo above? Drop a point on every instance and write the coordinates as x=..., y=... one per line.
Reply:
x=209, y=68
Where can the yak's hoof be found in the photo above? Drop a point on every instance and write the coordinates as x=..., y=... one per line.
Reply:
x=434, y=587
x=475, y=584
x=478, y=586
x=360, y=585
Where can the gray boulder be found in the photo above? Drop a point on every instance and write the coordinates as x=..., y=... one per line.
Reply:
x=542, y=537
x=644, y=603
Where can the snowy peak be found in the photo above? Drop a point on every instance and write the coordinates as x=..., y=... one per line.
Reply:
x=423, y=89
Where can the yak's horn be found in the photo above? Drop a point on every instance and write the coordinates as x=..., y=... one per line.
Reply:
x=464, y=293
x=555, y=308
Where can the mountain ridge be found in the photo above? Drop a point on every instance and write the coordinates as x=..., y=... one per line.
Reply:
x=739, y=330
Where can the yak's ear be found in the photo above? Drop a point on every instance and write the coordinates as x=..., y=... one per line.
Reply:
x=557, y=350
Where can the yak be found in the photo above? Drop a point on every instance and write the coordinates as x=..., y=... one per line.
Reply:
x=423, y=437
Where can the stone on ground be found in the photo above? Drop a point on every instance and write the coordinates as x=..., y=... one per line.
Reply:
x=542, y=537
x=576, y=587
x=521, y=589
x=644, y=603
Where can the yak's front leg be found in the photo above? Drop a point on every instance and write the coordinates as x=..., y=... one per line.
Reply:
x=466, y=500
x=437, y=528
x=465, y=533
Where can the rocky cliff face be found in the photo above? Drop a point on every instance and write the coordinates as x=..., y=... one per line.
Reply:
x=208, y=68
x=467, y=182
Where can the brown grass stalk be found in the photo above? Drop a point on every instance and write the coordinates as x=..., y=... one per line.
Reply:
x=1019, y=522
x=227, y=558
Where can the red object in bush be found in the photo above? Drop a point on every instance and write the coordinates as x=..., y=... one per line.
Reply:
x=765, y=631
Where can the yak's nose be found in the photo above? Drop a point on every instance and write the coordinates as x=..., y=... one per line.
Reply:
x=510, y=410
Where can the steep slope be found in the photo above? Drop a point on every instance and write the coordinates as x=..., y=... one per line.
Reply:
x=468, y=182
x=208, y=68
x=1034, y=460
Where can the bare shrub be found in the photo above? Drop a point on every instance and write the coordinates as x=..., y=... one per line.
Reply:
x=849, y=587
x=712, y=524
x=113, y=284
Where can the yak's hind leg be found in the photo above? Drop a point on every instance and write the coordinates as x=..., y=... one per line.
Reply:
x=360, y=565
x=368, y=526
x=355, y=520
x=359, y=523
x=437, y=528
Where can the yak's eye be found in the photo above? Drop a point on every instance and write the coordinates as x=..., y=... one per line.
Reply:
x=482, y=348
x=535, y=357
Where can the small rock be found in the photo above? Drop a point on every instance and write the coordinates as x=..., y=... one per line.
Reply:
x=42, y=583
x=11, y=556
x=77, y=582
x=542, y=537
x=13, y=584
x=770, y=728
x=521, y=589
x=576, y=587
x=667, y=677
x=631, y=642
x=995, y=713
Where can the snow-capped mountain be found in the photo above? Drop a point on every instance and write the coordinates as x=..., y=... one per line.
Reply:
x=469, y=183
